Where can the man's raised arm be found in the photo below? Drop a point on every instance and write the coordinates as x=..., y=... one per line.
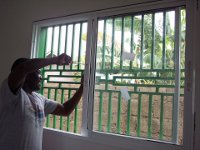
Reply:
x=18, y=74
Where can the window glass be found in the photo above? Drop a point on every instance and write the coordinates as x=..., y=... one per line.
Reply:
x=61, y=82
x=139, y=88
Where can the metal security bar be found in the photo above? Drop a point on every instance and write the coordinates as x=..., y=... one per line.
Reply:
x=139, y=87
x=61, y=82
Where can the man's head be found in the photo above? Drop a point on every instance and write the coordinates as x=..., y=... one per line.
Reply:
x=32, y=81
x=17, y=62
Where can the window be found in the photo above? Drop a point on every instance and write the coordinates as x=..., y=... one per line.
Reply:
x=61, y=82
x=133, y=59
x=139, y=75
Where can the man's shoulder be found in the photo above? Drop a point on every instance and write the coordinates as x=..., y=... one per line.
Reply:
x=38, y=95
x=6, y=94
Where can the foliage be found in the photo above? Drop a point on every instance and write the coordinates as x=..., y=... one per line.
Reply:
x=144, y=41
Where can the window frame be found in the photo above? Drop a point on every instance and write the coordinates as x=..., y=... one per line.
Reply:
x=89, y=81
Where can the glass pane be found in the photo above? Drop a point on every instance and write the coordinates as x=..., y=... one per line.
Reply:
x=61, y=82
x=136, y=77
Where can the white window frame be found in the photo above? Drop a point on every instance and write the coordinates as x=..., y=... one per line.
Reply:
x=121, y=140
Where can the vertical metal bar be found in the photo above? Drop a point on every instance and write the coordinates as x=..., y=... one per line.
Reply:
x=139, y=114
x=153, y=41
x=75, y=119
x=119, y=114
x=106, y=86
x=104, y=46
x=150, y=117
x=122, y=43
x=132, y=39
x=42, y=48
x=66, y=36
x=72, y=50
x=164, y=42
x=80, y=45
x=113, y=42
x=52, y=41
x=59, y=38
x=109, y=112
x=49, y=95
x=68, y=118
x=177, y=76
x=42, y=42
x=62, y=101
x=128, y=117
x=100, y=111
x=115, y=65
x=142, y=42
x=54, y=117
x=161, y=117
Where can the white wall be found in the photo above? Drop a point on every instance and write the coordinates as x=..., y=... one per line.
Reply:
x=60, y=141
x=16, y=18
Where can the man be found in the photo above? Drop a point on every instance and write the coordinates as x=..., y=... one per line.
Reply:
x=22, y=110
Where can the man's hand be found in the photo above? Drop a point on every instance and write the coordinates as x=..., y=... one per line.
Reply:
x=63, y=59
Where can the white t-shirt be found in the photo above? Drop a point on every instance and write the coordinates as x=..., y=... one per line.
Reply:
x=22, y=118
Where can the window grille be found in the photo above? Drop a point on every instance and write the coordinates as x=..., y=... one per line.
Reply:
x=152, y=71
x=61, y=82
x=139, y=73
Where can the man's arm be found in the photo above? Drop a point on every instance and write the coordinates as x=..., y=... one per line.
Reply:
x=69, y=105
x=18, y=75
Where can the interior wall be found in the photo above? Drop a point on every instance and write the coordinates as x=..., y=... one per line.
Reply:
x=54, y=140
x=16, y=18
